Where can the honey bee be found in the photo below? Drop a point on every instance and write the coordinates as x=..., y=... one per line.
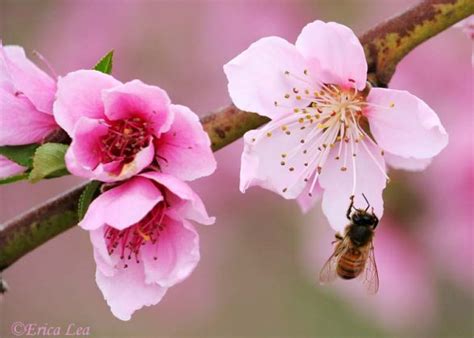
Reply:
x=354, y=252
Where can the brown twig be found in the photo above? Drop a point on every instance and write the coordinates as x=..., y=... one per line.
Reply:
x=385, y=45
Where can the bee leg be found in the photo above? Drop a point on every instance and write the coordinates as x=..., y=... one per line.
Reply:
x=376, y=218
x=348, y=213
x=338, y=238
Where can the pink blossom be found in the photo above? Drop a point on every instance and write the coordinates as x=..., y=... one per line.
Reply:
x=26, y=96
x=118, y=129
x=143, y=242
x=317, y=97
x=9, y=168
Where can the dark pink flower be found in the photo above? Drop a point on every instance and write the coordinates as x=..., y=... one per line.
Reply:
x=9, y=168
x=143, y=242
x=120, y=129
x=26, y=96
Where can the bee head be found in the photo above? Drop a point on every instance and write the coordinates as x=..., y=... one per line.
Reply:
x=363, y=218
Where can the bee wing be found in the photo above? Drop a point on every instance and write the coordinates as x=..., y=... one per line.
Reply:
x=371, y=275
x=328, y=272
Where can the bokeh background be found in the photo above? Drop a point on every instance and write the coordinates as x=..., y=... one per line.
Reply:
x=259, y=266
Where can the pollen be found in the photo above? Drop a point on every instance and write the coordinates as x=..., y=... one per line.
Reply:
x=334, y=129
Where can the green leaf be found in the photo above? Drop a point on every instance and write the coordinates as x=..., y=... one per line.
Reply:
x=48, y=160
x=59, y=173
x=105, y=64
x=14, y=178
x=86, y=198
x=23, y=155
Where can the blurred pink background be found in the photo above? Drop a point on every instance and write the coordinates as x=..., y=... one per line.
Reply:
x=259, y=265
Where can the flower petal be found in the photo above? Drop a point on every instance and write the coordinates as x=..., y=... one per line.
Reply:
x=122, y=206
x=21, y=122
x=257, y=77
x=9, y=168
x=276, y=157
x=184, y=202
x=83, y=157
x=142, y=159
x=86, y=143
x=404, y=125
x=80, y=94
x=136, y=99
x=338, y=52
x=185, y=150
x=413, y=164
x=105, y=263
x=27, y=78
x=126, y=291
x=176, y=253
x=338, y=185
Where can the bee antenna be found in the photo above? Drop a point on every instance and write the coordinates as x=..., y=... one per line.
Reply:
x=368, y=204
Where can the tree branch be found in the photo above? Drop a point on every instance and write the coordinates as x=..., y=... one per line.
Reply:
x=385, y=45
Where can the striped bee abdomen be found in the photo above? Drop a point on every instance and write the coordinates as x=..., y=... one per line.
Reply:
x=351, y=264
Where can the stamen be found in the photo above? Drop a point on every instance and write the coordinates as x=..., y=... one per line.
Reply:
x=354, y=167
x=131, y=239
x=48, y=65
x=382, y=170
x=124, y=139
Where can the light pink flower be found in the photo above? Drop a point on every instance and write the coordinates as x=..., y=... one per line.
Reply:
x=118, y=129
x=316, y=95
x=26, y=97
x=143, y=242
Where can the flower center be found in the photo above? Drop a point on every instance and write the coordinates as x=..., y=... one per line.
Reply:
x=128, y=242
x=124, y=139
x=333, y=120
